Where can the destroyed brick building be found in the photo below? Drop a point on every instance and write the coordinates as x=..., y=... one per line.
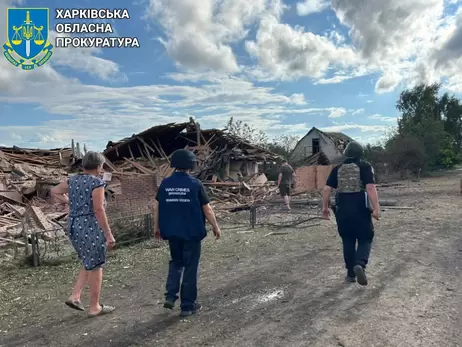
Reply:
x=314, y=156
x=319, y=148
x=218, y=153
x=229, y=167
x=226, y=165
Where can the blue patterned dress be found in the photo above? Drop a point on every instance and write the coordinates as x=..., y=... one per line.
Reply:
x=84, y=231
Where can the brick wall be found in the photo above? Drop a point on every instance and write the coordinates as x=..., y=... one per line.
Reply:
x=305, y=179
x=137, y=197
x=322, y=172
x=312, y=177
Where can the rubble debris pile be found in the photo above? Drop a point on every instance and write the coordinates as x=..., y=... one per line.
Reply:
x=26, y=176
x=229, y=167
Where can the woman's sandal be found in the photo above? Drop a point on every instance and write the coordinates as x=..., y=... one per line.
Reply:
x=104, y=310
x=76, y=305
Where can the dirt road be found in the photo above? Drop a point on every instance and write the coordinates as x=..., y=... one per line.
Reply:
x=279, y=290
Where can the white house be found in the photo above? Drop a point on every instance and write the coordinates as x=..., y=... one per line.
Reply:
x=324, y=147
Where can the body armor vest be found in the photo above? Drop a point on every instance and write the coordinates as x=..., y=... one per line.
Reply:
x=349, y=179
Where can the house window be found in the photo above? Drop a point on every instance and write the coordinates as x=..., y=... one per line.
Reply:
x=315, y=145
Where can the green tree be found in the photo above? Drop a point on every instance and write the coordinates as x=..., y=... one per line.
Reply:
x=247, y=132
x=451, y=109
x=283, y=145
x=429, y=122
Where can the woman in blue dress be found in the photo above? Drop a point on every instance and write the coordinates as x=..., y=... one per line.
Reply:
x=88, y=230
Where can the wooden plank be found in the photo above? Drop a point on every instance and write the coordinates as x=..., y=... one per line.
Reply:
x=140, y=167
x=151, y=159
x=24, y=158
x=198, y=133
x=13, y=241
x=163, y=152
x=246, y=186
x=260, y=179
x=158, y=150
x=131, y=153
x=109, y=164
x=148, y=146
x=41, y=218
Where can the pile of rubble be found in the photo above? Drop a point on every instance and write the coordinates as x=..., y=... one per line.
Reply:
x=225, y=194
x=229, y=167
x=26, y=176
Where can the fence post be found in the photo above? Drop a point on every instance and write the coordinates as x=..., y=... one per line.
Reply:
x=253, y=216
x=35, y=250
x=148, y=225
x=26, y=239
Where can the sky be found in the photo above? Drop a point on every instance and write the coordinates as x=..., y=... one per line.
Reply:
x=282, y=66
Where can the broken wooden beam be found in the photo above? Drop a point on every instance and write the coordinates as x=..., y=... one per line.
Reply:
x=140, y=167
x=12, y=241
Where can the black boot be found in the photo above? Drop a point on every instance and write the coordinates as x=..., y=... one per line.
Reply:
x=350, y=279
x=360, y=273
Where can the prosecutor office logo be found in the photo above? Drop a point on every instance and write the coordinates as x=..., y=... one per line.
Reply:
x=27, y=44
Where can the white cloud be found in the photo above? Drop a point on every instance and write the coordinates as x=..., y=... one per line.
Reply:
x=311, y=6
x=381, y=118
x=362, y=128
x=337, y=112
x=200, y=33
x=289, y=52
x=85, y=60
x=389, y=29
x=357, y=112
x=333, y=80
x=387, y=82
x=408, y=42
x=401, y=42
x=114, y=113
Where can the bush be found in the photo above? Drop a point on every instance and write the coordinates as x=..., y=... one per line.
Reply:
x=406, y=153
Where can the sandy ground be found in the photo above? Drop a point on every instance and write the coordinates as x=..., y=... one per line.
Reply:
x=277, y=290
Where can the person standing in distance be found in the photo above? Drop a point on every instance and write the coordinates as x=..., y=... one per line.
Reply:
x=285, y=179
x=356, y=203
x=182, y=206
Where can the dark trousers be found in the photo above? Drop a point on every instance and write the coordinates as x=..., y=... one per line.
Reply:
x=356, y=251
x=357, y=234
x=184, y=261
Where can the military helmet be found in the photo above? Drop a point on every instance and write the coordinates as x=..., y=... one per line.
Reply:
x=353, y=150
x=183, y=159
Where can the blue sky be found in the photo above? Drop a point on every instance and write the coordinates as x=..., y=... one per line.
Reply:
x=283, y=66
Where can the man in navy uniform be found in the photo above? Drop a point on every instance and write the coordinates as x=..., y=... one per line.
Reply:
x=356, y=203
x=182, y=208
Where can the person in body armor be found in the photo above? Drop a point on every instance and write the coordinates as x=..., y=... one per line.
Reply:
x=179, y=217
x=356, y=203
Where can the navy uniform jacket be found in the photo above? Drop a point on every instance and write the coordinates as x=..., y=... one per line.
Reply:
x=180, y=199
x=350, y=179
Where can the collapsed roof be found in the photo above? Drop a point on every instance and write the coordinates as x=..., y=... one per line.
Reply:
x=338, y=137
x=163, y=140
x=56, y=157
